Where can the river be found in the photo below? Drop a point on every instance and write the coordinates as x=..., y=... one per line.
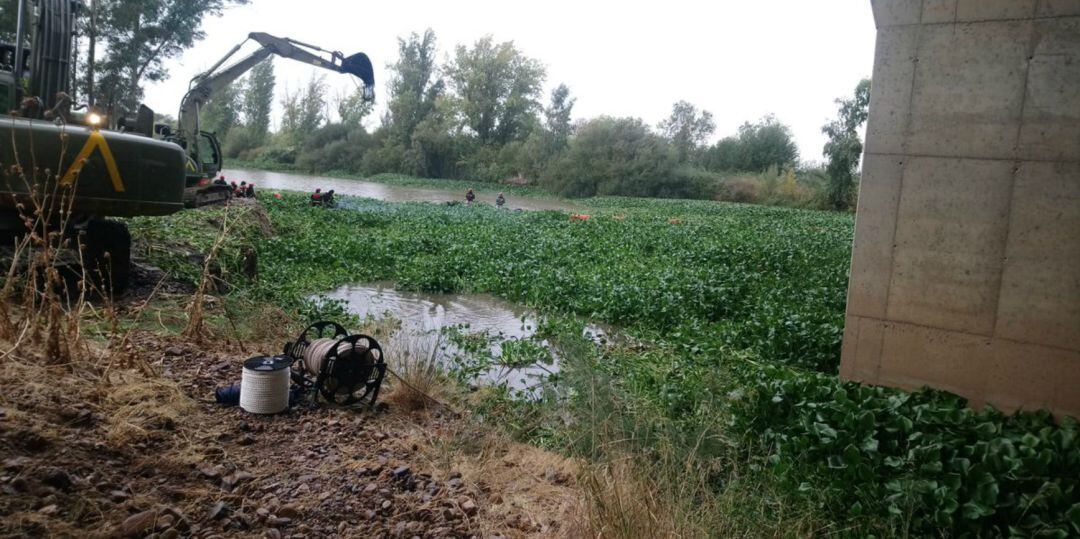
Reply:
x=291, y=181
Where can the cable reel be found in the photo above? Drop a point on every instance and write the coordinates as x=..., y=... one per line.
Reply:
x=344, y=369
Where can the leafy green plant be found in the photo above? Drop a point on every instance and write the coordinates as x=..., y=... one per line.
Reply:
x=922, y=460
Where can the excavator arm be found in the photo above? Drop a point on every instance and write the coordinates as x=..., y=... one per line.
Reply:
x=205, y=86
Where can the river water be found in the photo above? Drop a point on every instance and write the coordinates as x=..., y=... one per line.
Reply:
x=425, y=315
x=291, y=181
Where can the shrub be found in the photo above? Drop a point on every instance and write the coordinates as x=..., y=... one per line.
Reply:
x=922, y=460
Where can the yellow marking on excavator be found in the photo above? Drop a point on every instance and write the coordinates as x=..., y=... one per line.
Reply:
x=96, y=140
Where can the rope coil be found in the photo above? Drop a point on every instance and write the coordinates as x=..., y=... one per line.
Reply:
x=264, y=391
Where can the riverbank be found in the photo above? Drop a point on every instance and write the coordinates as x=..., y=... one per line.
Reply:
x=402, y=180
x=397, y=190
x=721, y=414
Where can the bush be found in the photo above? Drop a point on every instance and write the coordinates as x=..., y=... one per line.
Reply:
x=923, y=460
x=615, y=156
x=239, y=142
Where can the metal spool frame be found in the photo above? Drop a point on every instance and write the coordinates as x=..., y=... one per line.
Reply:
x=353, y=369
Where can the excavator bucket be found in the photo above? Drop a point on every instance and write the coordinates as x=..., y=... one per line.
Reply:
x=359, y=65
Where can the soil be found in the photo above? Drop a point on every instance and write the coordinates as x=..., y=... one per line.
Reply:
x=104, y=451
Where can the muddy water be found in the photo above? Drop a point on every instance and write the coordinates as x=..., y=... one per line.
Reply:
x=308, y=183
x=423, y=315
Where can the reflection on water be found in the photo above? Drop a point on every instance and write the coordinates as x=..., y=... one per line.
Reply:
x=427, y=314
x=307, y=183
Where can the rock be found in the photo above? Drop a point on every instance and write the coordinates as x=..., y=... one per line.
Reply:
x=50, y=510
x=387, y=504
x=165, y=522
x=469, y=507
x=174, y=351
x=212, y=472
x=16, y=464
x=244, y=427
x=401, y=472
x=278, y=521
x=246, y=439
x=56, y=478
x=288, y=511
x=217, y=511
x=138, y=524
x=118, y=496
x=370, y=488
x=454, y=483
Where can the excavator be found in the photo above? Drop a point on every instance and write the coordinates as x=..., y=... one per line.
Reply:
x=114, y=165
x=203, y=148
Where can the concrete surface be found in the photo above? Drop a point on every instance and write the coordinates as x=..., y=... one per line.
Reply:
x=965, y=272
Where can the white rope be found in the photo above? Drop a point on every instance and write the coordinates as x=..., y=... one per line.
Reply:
x=264, y=392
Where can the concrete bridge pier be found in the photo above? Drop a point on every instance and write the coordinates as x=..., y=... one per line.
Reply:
x=965, y=273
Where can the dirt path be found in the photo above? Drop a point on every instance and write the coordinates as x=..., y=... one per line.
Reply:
x=119, y=453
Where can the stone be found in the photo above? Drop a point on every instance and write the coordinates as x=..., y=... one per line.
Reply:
x=174, y=351
x=469, y=507
x=118, y=496
x=217, y=511
x=278, y=521
x=401, y=472
x=246, y=439
x=50, y=510
x=139, y=523
x=56, y=478
x=288, y=511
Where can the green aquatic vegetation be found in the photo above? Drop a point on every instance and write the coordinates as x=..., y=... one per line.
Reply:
x=735, y=315
x=768, y=279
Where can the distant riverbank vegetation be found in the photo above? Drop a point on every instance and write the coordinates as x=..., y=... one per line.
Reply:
x=481, y=116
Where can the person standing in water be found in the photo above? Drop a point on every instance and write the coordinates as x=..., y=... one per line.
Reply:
x=469, y=196
x=500, y=200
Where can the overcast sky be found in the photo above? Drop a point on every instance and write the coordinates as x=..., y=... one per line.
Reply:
x=738, y=59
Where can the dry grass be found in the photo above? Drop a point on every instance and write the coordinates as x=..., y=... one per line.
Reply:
x=417, y=382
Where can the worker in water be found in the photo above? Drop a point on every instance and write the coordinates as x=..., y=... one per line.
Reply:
x=250, y=192
x=500, y=200
x=220, y=180
x=316, y=197
x=469, y=196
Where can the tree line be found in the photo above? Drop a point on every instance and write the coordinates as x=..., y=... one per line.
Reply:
x=481, y=115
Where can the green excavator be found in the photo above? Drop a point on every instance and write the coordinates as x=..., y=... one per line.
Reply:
x=116, y=165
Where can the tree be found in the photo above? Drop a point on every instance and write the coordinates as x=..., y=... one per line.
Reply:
x=223, y=112
x=497, y=90
x=618, y=156
x=258, y=100
x=304, y=111
x=557, y=116
x=352, y=108
x=138, y=36
x=312, y=106
x=756, y=147
x=414, y=86
x=687, y=128
x=844, y=148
